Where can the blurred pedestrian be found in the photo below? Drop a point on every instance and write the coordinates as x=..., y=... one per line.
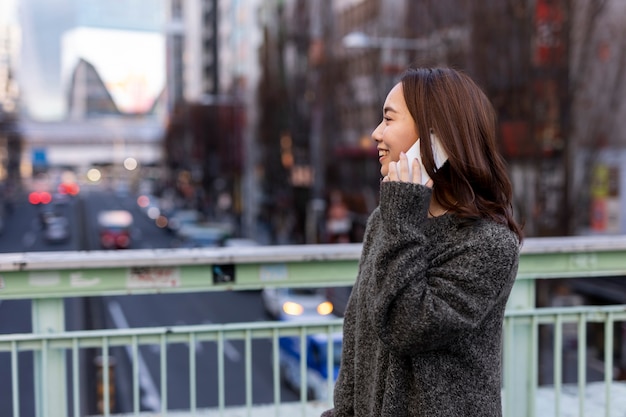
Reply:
x=423, y=325
x=338, y=219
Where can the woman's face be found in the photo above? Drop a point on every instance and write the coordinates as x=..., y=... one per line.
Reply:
x=396, y=132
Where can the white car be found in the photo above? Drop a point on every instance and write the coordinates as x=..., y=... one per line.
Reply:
x=296, y=303
x=302, y=304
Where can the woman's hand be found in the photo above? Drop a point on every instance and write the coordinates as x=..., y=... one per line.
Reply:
x=399, y=171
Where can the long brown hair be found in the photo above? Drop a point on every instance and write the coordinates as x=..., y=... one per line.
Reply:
x=474, y=182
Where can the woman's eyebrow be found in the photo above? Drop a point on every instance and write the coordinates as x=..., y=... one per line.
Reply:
x=389, y=109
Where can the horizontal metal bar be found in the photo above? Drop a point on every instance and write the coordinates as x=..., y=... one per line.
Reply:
x=153, y=335
x=37, y=275
x=237, y=331
x=573, y=311
x=35, y=261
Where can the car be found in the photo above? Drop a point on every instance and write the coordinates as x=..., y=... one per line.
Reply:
x=47, y=211
x=114, y=228
x=240, y=242
x=317, y=374
x=180, y=218
x=202, y=236
x=339, y=297
x=56, y=229
x=290, y=303
x=304, y=304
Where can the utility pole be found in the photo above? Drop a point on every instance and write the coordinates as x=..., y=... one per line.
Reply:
x=317, y=204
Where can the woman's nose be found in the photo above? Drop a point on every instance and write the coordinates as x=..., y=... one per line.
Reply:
x=376, y=133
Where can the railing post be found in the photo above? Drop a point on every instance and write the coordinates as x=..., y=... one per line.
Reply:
x=48, y=316
x=518, y=359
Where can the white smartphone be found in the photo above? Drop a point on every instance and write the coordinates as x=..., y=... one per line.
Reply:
x=438, y=153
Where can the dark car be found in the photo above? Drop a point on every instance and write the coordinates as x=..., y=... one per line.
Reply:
x=56, y=229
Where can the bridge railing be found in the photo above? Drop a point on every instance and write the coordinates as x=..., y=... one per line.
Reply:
x=48, y=278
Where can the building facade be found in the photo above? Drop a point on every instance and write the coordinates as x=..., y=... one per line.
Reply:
x=10, y=137
x=213, y=74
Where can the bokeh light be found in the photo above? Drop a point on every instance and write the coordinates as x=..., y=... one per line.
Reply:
x=94, y=175
x=130, y=163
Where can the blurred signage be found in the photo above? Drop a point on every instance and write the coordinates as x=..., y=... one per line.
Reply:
x=277, y=272
x=39, y=157
x=549, y=45
x=605, y=204
x=153, y=277
x=548, y=120
x=223, y=274
x=550, y=84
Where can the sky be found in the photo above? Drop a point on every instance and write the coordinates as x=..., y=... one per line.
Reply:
x=8, y=11
x=121, y=38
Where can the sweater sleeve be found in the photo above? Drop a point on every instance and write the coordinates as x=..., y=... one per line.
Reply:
x=423, y=300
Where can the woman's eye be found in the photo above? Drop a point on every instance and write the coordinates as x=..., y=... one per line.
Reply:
x=386, y=118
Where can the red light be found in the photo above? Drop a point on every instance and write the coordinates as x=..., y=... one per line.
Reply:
x=74, y=189
x=68, y=188
x=122, y=241
x=33, y=198
x=107, y=240
x=37, y=197
x=45, y=197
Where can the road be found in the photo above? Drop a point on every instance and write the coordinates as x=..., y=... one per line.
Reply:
x=23, y=232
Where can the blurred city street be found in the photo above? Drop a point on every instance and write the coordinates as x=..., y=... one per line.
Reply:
x=169, y=124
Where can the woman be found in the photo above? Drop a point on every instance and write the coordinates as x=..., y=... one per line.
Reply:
x=423, y=326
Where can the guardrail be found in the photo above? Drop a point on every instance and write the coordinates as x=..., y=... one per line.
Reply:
x=49, y=277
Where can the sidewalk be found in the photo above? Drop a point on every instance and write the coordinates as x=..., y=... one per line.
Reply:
x=595, y=404
x=312, y=409
x=595, y=400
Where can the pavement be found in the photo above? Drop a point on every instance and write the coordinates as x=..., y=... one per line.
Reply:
x=312, y=409
x=595, y=405
x=595, y=400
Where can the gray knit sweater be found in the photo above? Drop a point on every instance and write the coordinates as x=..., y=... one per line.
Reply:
x=423, y=326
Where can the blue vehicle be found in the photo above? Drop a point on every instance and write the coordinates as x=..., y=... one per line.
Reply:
x=316, y=363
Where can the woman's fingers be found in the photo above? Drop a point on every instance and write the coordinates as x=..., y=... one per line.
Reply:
x=399, y=171
x=417, y=171
x=403, y=167
x=392, y=175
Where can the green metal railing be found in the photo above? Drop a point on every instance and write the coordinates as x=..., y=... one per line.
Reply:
x=48, y=278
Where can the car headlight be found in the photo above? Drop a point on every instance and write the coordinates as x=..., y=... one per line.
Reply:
x=325, y=308
x=292, y=309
